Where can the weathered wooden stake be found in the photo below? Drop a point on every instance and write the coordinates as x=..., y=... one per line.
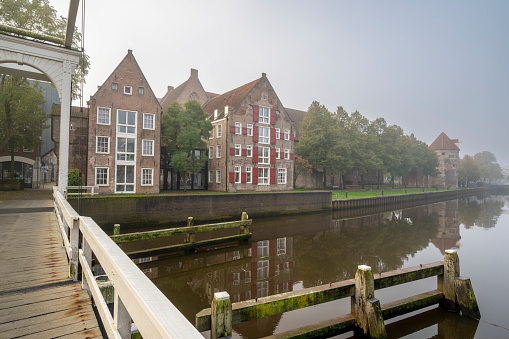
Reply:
x=190, y=237
x=364, y=290
x=116, y=229
x=466, y=298
x=446, y=282
x=221, y=316
x=375, y=319
x=244, y=229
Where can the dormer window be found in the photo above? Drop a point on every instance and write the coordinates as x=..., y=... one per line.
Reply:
x=128, y=90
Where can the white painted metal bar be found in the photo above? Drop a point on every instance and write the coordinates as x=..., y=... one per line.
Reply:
x=91, y=188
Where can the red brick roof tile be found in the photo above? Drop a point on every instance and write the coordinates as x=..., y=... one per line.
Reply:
x=443, y=143
x=231, y=98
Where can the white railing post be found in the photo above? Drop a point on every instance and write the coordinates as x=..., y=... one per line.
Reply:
x=87, y=252
x=74, y=255
x=121, y=317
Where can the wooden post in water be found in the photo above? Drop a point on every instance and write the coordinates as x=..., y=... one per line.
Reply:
x=466, y=298
x=116, y=229
x=244, y=229
x=446, y=282
x=221, y=316
x=190, y=237
x=365, y=307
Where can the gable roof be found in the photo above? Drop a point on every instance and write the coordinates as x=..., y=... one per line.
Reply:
x=443, y=143
x=174, y=93
x=297, y=116
x=231, y=98
x=75, y=111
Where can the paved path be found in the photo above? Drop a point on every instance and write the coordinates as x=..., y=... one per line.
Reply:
x=36, y=298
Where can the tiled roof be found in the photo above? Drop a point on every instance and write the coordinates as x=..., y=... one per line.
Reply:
x=75, y=111
x=443, y=143
x=172, y=95
x=297, y=116
x=231, y=98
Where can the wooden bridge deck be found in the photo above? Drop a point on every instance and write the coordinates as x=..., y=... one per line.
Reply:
x=36, y=298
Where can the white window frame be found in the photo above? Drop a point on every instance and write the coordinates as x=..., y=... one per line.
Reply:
x=219, y=130
x=100, y=122
x=107, y=176
x=281, y=176
x=250, y=130
x=133, y=165
x=148, y=142
x=144, y=171
x=278, y=153
x=140, y=90
x=211, y=176
x=238, y=150
x=287, y=153
x=238, y=174
x=238, y=128
x=118, y=153
x=249, y=151
x=211, y=152
x=287, y=134
x=114, y=86
x=262, y=179
x=147, y=115
x=262, y=138
x=262, y=117
x=127, y=125
x=218, y=151
x=262, y=249
x=281, y=246
x=97, y=144
x=264, y=155
x=128, y=90
x=218, y=176
x=249, y=175
x=278, y=133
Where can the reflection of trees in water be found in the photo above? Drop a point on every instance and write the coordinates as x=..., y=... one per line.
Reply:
x=383, y=244
x=479, y=211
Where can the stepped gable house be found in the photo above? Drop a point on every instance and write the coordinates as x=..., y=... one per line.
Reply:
x=124, y=133
x=252, y=144
x=448, y=160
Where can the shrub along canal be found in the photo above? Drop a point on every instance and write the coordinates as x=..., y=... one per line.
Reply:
x=295, y=252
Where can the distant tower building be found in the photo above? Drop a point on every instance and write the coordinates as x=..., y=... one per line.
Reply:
x=448, y=160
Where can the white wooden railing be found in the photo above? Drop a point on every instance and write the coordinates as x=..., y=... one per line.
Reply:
x=136, y=298
x=91, y=188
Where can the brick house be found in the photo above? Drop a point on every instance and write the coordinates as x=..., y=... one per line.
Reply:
x=252, y=144
x=448, y=161
x=124, y=133
x=188, y=90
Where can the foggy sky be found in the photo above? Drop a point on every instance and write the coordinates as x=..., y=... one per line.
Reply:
x=427, y=66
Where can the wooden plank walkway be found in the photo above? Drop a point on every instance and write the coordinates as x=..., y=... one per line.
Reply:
x=36, y=298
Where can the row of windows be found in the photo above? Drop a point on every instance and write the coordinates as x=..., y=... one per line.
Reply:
x=126, y=120
x=126, y=147
x=124, y=177
x=263, y=153
x=263, y=132
x=127, y=89
x=263, y=175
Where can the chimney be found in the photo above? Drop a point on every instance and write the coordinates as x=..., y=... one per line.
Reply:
x=215, y=114
x=194, y=73
x=130, y=53
x=170, y=88
x=264, y=75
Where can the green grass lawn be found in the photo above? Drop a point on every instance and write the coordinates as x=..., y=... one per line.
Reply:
x=366, y=193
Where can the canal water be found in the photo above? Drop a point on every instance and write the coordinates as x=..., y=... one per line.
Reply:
x=292, y=253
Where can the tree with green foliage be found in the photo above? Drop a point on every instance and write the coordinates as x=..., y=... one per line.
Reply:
x=490, y=169
x=319, y=139
x=183, y=132
x=22, y=118
x=468, y=170
x=38, y=16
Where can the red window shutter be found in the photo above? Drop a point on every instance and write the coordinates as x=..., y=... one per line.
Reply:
x=291, y=156
x=243, y=177
x=255, y=176
x=272, y=155
x=232, y=151
x=232, y=129
x=272, y=266
x=291, y=264
x=232, y=177
x=256, y=133
x=273, y=136
x=282, y=135
x=272, y=116
x=256, y=113
x=272, y=176
x=244, y=152
x=244, y=131
x=272, y=249
x=292, y=136
x=255, y=155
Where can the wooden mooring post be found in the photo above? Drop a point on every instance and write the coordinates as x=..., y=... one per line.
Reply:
x=367, y=313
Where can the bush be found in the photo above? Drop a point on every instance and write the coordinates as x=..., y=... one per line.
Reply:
x=11, y=185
